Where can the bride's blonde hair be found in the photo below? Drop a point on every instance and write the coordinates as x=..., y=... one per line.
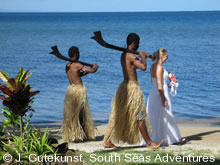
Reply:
x=158, y=53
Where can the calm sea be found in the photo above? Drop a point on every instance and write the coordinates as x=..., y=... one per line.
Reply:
x=192, y=39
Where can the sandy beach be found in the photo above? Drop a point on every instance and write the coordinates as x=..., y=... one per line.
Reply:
x=199, y=135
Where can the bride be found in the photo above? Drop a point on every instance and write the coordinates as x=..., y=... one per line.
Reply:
x=159, y=107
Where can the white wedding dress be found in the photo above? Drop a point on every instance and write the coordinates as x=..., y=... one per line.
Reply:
x=161, y=118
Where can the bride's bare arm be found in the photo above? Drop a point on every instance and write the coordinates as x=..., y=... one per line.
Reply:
x=159, y=78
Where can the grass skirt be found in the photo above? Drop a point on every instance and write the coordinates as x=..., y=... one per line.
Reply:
x=127, y=104
x=77, y=122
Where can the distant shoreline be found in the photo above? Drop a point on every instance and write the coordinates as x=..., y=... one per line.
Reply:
x=81, y=12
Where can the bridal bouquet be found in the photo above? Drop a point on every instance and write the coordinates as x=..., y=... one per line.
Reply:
x=173, y=84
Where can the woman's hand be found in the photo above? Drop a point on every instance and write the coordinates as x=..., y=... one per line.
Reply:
x=164, y=102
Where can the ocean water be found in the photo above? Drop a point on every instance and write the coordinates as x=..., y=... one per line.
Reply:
x=191, y=38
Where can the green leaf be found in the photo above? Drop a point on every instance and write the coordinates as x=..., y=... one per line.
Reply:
x=45, y=137
x=20, y=72
x=35, y=138
x=48, y=147
x=5, y=77
x=30, y=147
x=11, y=151
x=22, y=80
x=28, y=121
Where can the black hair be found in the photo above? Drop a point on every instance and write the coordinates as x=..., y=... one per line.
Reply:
x=72, y=51
x=132, y=37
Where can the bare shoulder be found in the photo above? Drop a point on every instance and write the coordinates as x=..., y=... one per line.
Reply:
x=76, y=66
x=131, y=56
x=159, y=67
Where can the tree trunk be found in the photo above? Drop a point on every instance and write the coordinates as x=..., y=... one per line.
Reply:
x=21, y=132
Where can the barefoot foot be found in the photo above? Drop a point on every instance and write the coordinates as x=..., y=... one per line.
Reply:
x=154, y=145
x=109, y=145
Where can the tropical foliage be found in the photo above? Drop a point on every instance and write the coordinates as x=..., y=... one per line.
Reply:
x=11, y=120
x=32, y=141
x=17, y=98
x=17, y=94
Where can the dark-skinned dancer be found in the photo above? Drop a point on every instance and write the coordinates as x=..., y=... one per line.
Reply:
x=77, y=121
x=128, y=120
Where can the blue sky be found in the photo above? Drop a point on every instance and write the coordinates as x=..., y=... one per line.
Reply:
x=107, y=5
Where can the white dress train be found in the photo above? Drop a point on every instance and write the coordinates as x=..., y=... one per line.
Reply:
x=161, y=118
